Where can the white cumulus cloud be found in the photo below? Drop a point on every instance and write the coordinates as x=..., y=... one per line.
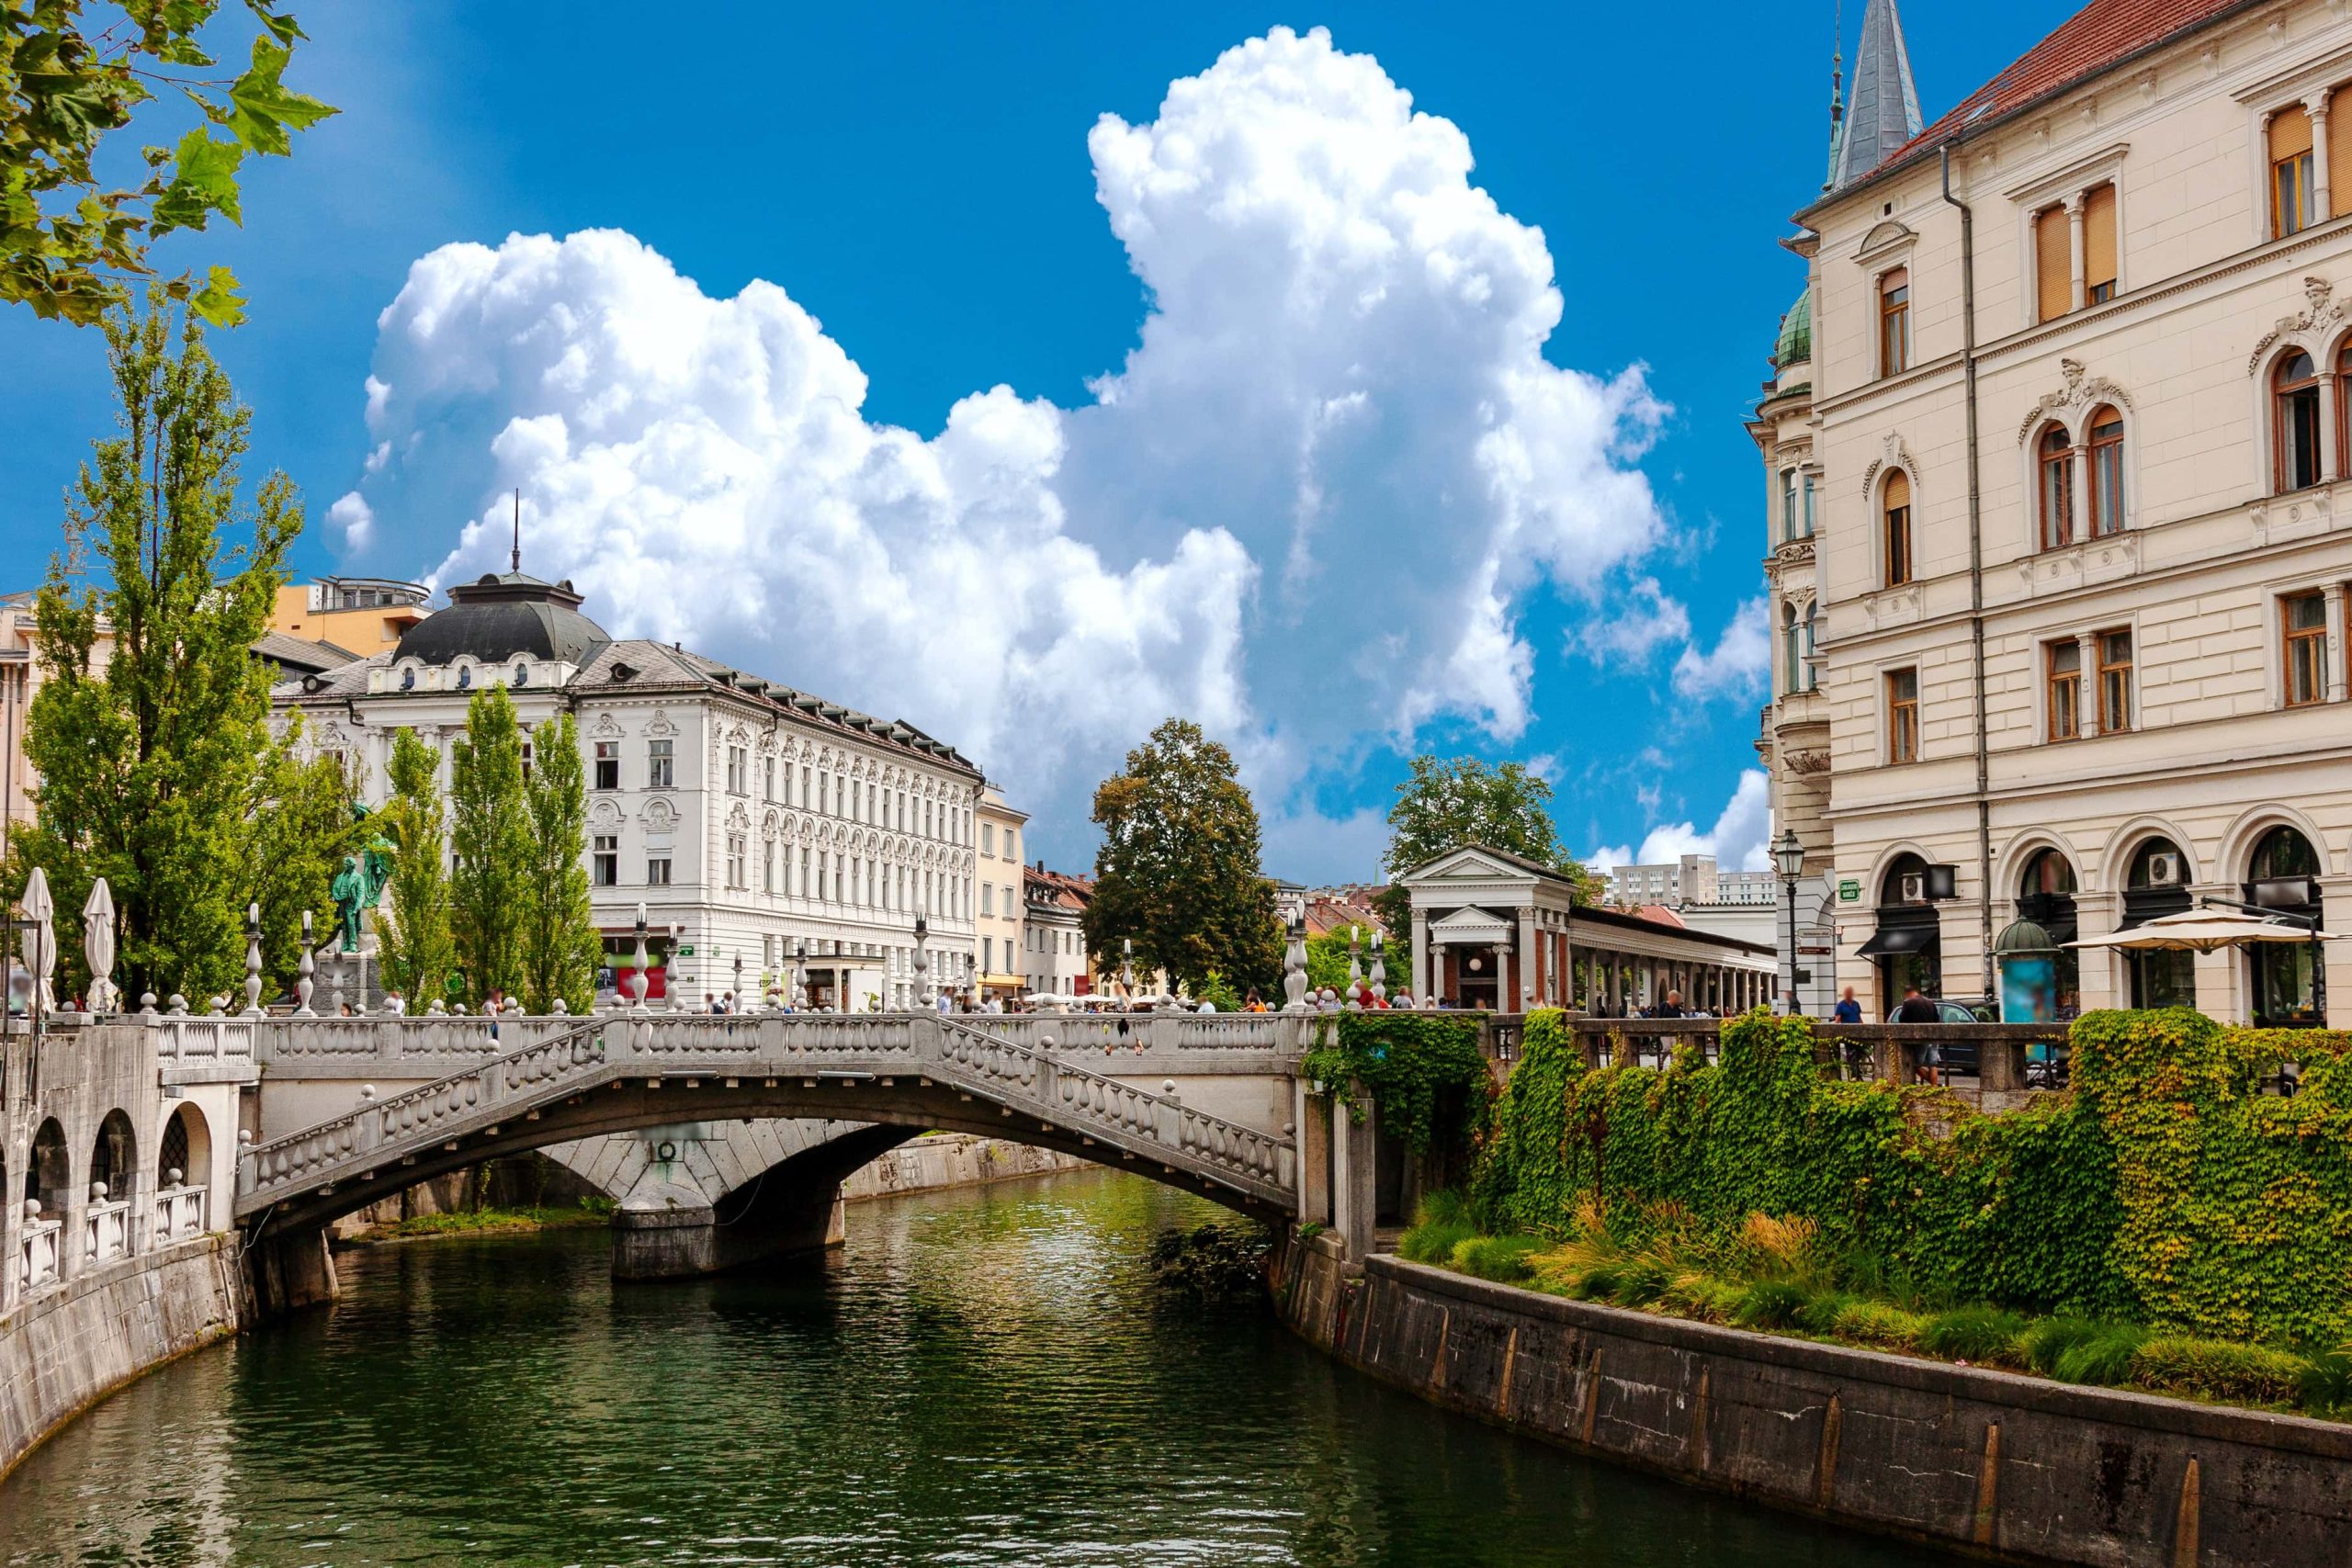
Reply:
x=1739, y=840
x=1737, y=665
x=1338, y=406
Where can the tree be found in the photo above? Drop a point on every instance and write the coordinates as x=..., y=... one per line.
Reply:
x=302, y=827
x=1446, y=803
x=418, y=953
x=67, y=244
x=489, y=838
x=1177, y=870
x=156, y=766
x=1327, y=961
x=561, y=946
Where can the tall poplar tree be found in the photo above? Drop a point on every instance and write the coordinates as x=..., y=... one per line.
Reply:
x=417, y=953
x=1177, y=870
x=151, y=729
x=490, y=838
x=561, y=946
x=302, y=829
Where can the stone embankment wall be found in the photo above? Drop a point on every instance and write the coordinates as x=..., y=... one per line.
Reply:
x=952, y=1159
x=66, y=1348
x=2017, y=1469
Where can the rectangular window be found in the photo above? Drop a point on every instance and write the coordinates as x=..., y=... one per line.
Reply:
x=2053, y=264
x=1903, y=715
x=604, y=865
x=735, y=860
x=988, y=838
x=824, y=788
x=2063, y=689
x=1788, y=503
x=804, y=786
x=660, y=765
x=657, y=872
x=739, y=771
x=988, y=896
x=1011, y=849
x=1895, y=323
x=804, y=871
x=987, y=954
x=2114, y=681
x=767, y=780
x=1808, y=506
x=2290, y=172
x=609, y=764
x=2100, y=254
x=2304, y=619
x=767, y=866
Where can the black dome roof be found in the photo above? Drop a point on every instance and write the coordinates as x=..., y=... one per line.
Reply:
x=493, y=619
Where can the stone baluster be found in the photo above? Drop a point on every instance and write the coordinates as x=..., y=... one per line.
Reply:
x=253, y=961
x=637, y=982
x=306, y=973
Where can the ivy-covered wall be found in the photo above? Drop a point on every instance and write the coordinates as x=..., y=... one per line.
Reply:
x=1423, y=1070
x=2162, y=1189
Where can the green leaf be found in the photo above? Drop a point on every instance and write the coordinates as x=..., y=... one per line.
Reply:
x=265, y=106
x=281, y=25
x=218, y=302
x=204, y=181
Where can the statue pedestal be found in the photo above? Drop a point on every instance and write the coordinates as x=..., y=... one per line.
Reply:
x=351, y=971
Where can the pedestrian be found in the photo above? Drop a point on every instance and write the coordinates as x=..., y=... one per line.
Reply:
x=1252, y=1002
x=1916, y=1008
x=394, y=1003
x=710, y=1004
x=1848, y=1010
x=1670, y=1008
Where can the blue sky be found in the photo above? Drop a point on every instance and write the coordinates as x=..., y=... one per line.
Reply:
x=1287, y=557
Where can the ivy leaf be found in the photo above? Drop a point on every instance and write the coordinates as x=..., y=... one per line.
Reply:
x=204, y=181
x=264, y=107
x=217, y=302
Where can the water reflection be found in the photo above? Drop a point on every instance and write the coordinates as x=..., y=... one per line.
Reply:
x=984, y=1378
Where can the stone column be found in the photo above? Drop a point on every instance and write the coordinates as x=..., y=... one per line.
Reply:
x=1312, y=1116
x=1424, y=980
x=2099, y=970
x=2220, y=982
x=2080, y=290
x=2335, y=904
x=1353, y=1210
x=1530, y=967
x=2321, y=195
x=2086, y=720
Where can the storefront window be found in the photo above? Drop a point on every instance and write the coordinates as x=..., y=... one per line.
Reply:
x=2288, y=985
x=2159, y=885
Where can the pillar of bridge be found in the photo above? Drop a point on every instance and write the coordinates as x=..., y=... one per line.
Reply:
x=1312, y=1117
x=287, y=1273
x=1355, y=1169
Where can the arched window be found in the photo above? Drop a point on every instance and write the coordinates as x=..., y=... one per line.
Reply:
x=466, y=678
x=407, y=679
x=2158, y=884
x=2048, y=874
x=113, y=1156
x=48, y=1174
x=1812, y=643
x=1897, y=518
x=2295, y=422
x=2344, y=379
x=2107, y=472
x=2281, y=875
x=1791, y=659
x=2054, y=456
x=1895, y=323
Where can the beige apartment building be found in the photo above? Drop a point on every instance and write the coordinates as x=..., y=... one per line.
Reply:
x=2058, y=440
x=996, y=926
x=365, y=615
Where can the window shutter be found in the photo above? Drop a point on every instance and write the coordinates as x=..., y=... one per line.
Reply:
x=1898, y=489
x=2098, y=238
x=2339, y=149
x=2053, y=261
x=2290, y=133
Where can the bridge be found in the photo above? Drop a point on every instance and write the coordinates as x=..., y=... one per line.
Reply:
x=700, y=1123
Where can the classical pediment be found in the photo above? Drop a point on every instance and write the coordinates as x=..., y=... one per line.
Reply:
x=1472, y=863
x=1473, y=925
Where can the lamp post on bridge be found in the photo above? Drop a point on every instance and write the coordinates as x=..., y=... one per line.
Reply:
x=1788, y=853
x=922, y=959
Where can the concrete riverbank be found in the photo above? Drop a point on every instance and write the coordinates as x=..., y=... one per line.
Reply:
x=2016, y=1469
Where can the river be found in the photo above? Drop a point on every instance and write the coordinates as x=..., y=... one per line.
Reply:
x=984, y=1377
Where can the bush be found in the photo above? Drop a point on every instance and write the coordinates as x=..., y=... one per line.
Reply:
x=1875, y=1323
x=1440, y=1224
x=2082, y=1349
x=1644, y=1280
x=1974, y=1334
x=1820, y=1312
x=1770, y=1303
x=1502, y=1258
x=2220, y=1369
x=2325, y=1386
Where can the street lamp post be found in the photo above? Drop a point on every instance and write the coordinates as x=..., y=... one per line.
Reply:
x=1788, y=852
x=923, y=960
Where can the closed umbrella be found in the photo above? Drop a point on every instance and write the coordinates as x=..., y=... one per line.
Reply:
x=2203, y=930
x=97, y=944
x=40, y=941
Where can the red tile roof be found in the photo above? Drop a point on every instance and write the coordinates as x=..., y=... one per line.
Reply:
x=2102, y=34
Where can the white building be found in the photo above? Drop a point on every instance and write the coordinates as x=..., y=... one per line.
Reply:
x=759, y=822
x=2057, y=448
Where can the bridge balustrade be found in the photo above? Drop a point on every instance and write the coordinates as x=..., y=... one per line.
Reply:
x=1998, y=1064
x=179, y=1214
x=106, y=1231
x=183, y=1041
x=40, y=1255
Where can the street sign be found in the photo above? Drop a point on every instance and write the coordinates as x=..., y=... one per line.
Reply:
x=687, y=951
x=1850, y=891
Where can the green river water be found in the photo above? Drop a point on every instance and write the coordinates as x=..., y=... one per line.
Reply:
x=984, y=1377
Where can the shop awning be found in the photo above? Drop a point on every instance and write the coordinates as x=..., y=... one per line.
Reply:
x=1907, y=929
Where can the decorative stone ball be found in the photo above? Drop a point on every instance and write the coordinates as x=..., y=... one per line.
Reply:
x=1168, y=1085
x=97, y=1191
x=179, y=1005
x=32, y=1208
x=244, y=1136
x=173, y=1177
x=146, y=1001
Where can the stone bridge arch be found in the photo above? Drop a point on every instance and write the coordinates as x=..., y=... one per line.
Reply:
x=892, y=1077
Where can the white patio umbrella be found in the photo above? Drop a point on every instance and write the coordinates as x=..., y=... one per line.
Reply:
x=97, y=944
x=2203, y=930
x=41, y=942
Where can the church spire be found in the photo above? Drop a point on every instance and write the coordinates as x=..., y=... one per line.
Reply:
x=1836, y=107
x=1886, y=109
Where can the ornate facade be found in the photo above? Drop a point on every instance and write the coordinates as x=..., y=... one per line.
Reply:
x=767, y=825
x=2072, y=404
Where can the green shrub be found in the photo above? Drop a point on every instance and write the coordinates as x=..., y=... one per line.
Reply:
x=1502, y=1258
x=1876, y=1323
x=1770, y=1303
x=1974, y=1334
x=1644, y=1280
x=2082, y=1349
x=2325, y=1386
x=1434, y=1241
x=2220, y=1369
x=1821, y=1311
